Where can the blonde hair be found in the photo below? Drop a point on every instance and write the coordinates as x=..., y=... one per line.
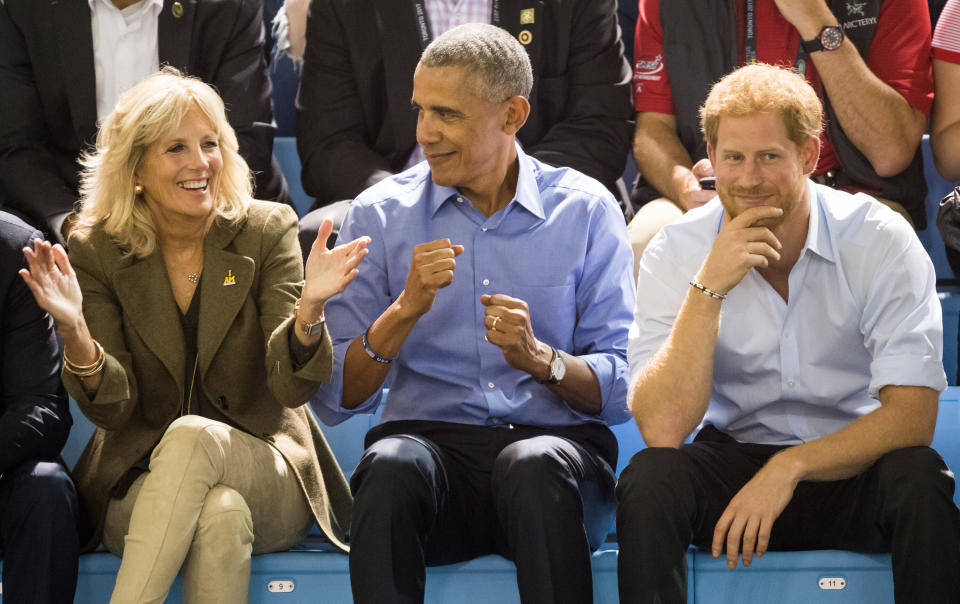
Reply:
x=145, y=114
x=761, y=88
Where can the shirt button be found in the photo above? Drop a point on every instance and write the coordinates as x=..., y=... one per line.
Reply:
x=484, y=229
x=486, y=281
x=459, y=199
x=490, y=384
x=786, y=333
x=791, y=383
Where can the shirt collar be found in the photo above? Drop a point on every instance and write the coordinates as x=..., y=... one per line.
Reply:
x=156, y=4
x=818, y=231
x=527, y=195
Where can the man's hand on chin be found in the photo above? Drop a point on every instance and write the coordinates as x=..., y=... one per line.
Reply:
x=746, y=524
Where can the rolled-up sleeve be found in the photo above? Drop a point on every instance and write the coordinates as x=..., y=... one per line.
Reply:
x=351, y=312
x=902, y=321
x=605, y=299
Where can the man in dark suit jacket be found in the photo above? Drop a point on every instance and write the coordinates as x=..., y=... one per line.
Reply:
x=355, y=126
x=38, y=503
x=48, y=105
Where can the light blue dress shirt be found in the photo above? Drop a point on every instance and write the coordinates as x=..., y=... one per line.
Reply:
x=863, y=313
x=560, y=245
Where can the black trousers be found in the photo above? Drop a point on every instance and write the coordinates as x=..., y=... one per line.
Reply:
x=38, y=534
x=671, y=498
x=430, y=493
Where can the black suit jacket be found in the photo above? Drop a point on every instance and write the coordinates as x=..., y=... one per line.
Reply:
x=355, y=125
x=48, y=107
x=34, y=415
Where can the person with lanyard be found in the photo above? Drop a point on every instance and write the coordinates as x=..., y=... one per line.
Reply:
x=868, y=60
x=796, y=330
x=354, y=123
x=64, y=64
x=193, y=336
x=494, y=302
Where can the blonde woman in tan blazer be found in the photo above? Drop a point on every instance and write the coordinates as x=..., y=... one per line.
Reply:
x=186, y=344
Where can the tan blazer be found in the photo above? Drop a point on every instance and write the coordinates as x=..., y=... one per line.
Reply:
x=252, y=274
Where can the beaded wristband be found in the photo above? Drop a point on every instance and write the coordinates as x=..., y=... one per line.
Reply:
x=706, y=290
x=373, y=355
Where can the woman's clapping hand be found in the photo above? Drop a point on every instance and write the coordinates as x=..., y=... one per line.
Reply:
x=329, y=272
x=53, y=283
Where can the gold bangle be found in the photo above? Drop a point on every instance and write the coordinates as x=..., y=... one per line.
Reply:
x=706, y=290
x=86, y=370
x=94, y=370
x=67, y=360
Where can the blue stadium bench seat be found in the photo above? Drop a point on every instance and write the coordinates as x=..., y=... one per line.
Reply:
x=316, y=572
x=285, y=150
x=795, y=578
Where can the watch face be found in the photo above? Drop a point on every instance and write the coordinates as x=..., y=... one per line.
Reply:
x=313, y=328
x=559, y=369
x=831, y=38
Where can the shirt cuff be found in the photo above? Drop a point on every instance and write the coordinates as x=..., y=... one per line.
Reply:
x=56, y=227
x=300, y=354
x=906, y=371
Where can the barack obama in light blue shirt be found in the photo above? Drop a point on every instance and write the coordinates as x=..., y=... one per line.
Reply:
x=495, y=302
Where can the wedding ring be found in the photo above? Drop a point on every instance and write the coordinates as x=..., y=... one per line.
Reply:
x=495, y=319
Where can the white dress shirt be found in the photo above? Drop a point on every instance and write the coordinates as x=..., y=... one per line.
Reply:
x=862, y=314
x=125, y=48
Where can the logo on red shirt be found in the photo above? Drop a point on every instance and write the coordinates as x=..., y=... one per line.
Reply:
x=648, y=68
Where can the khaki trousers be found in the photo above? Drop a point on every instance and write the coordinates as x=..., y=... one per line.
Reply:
x=213, y=495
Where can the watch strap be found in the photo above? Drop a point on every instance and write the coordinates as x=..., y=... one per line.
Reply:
x=813, y=45
x=816, y=44
x=552, y=377
x=309, y=328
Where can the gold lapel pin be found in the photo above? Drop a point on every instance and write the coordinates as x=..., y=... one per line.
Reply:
x=177, y=10
x=230, y=279
x=525, y=37
x=526, y=16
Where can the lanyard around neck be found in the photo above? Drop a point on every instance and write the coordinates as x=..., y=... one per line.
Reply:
x=423, y=23
x=750, y=40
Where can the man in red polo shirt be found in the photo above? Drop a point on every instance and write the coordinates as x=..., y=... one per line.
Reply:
x=868, y=59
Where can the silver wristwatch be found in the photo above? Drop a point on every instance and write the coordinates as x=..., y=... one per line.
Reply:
x=309, y=328
x=558, y=369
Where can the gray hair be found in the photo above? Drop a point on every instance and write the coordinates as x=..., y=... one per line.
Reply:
x=499, y=65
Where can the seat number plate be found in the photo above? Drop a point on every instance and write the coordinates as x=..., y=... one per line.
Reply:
x=280, y=587
x=832, y=583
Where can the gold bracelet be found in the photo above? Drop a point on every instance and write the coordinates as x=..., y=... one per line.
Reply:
x=67, y=360
x=86, y=370
x=703, y=288
x=94, y=370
